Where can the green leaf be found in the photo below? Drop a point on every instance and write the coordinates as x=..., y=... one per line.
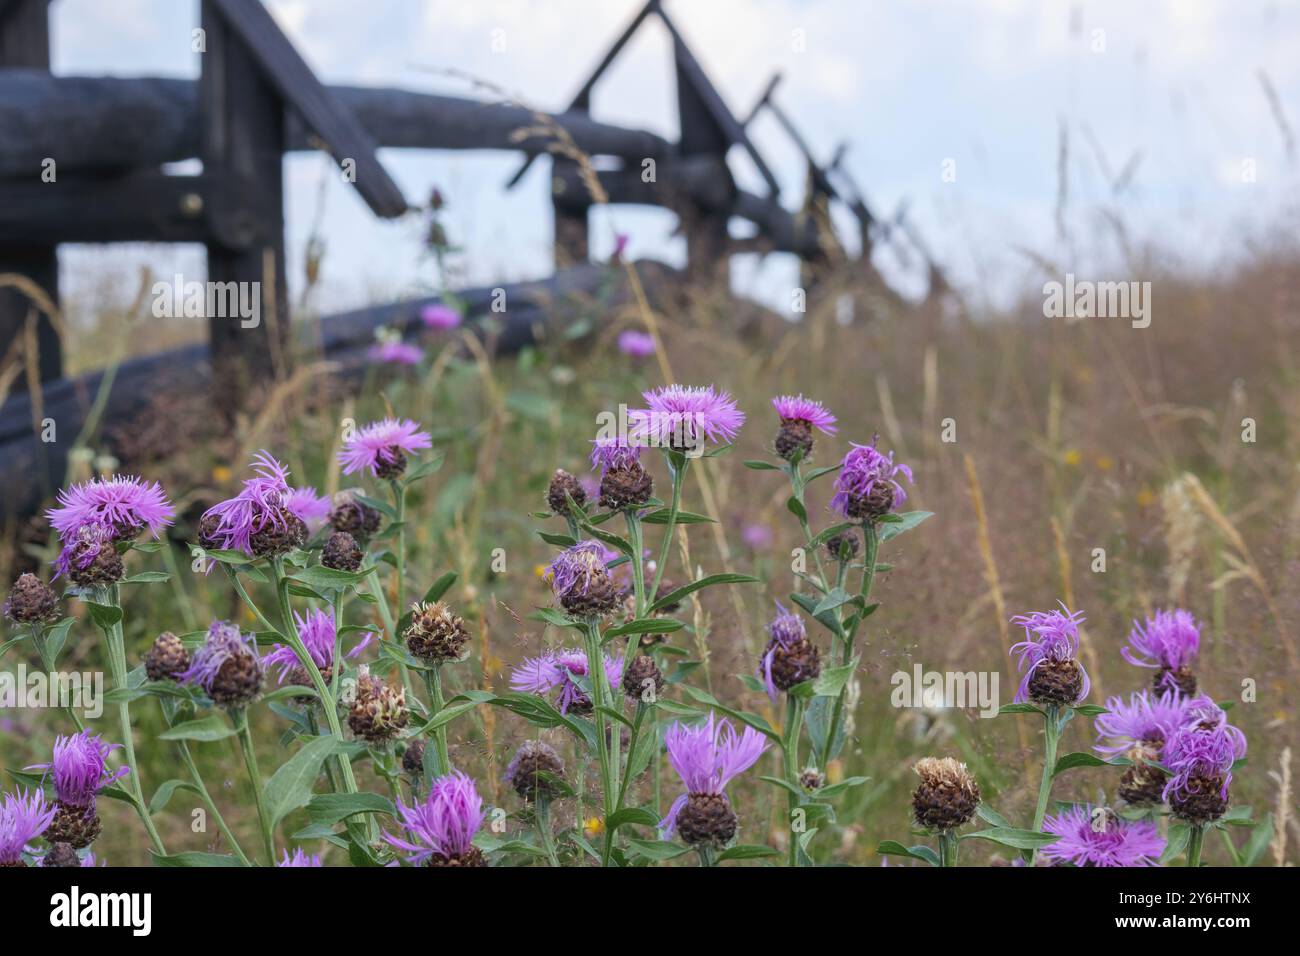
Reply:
x=673, y=597
x=1018, y=709
x=832, y=679
x=1176, y=841
x=1259, y=840
x=658, y=850
x=105, y=615
x=645, y=625
x=611, y=539
x=747, y=851
x=755, y=464
x=293, y=690
x=1013, y=837
x=750, y=720
x=205, y=729
x=835, y=789
x=290, y=787
x=826, y=534
x=453, y=709
x=989, y=815
x=327, y=578
x=894, y=848
x=907, y=520
x=559, y=540
x=383, y=507
x=424, y=469
x=637, y=816
x=147, y=577
x=830, y=602
x=1090, y=710
x=193, y=858
x=796, y=508
x=327, y=809
x=554, y=617
x=440, y=587
x=162, y=796
x=661, y=515
x=1078, y=759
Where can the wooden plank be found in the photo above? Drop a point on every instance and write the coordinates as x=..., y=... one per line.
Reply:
x=333, y=123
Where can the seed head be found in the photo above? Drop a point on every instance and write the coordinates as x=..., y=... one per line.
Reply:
x=31, y=601
x=436, y=634
x=564, y=484
x=378, y=711
x=341, y=553
x=643, y=680
x=536, y=772
x=167, y=658
x=947, y=796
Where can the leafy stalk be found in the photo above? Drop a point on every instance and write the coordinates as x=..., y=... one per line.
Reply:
x=1051, y=737
x=240, y=717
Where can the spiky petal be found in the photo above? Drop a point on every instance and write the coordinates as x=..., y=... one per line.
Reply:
x=796, y=408
x=443, y=825
x=380, y=443
x=1094, y=836
x=1050, y=637
x=686, y=417
x=707, y=757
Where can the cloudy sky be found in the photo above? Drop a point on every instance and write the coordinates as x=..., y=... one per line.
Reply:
x=1162, y=105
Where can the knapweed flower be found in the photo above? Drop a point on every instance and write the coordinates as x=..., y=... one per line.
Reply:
x=436, y=634
x=707, y=757
x=353, y=516
x=257, y=521
x=636, y=344
x=90, y=558
x=947, y=796
x=684, y=417
x=30, y=601
x=1169, y=641
x=396, y=352
x=1095, y=836
x=1138, y=728
x=581, y=582
x=310, y=508
x=536, y=772
x=439, y=317
x=317, y=633
x=556, y=670
x=1048, y=658
x=378, y=711
x=441, y=828
x=80, y=771
x=867, y=486
x=124, y=506
x=341, y=553
x=299, y=858
x=1200, y=756
x=23, y=817
x=799, y=416
x=226, y=666
x=643, y=680
x=167, y=658
x=564, y=486
x=789, y=657
x=381, y=447
x=624, y=482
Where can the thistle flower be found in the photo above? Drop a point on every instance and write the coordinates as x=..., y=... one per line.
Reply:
x=396, y=352
x=442, y=827
x=536, y=772
x=318, y=635
x=799, y=416
x=1169, y=641
x=257, y=521
x=436, y=633
x=624, y=482
x=643, y=680
x=580, y=581
x=556, y=670
x=636, y=344
x=381, y=447
x=378, y=711
x=30, y=601
x=80, y=768
x=341, y=553
x=310, y=508
x=1097, y=837
x=23, y=817
x=1138, y=728
x=707, y=757
x=789, y=657
x=122, y=505
x=90, y=558
x=1052, y=674
x=867, y=486
x=684, y=417
x=167, y=658
x=350, y=515
x=562, y=487
x=1200, y=755
x=62, y=854
x=226, y=666
x=757, y=537
x=439, y=317
x=947, y=796
x=299, y=858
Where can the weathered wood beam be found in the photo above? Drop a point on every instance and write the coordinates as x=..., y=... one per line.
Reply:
x=116, y=123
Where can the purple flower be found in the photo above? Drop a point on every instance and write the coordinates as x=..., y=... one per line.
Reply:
x=1097, y=837
x=757, y=536
x=299, y=858
x=618, y=452
x=707, y=756
x=396, y=353
x=575, y=568
x=381, y=444
x=784, y=630
x=121, y=505
x=621, y=240
x=685, y=417
x=440, y=317
x=636, y=344
x=317, y=633
x=1204, y=748
x=312, y=509
x=81, y=548
x=865, y=471
x=80, y=769
x=444, y=824
x=23, y=817
x=1049, y=636
x=1144, y=719
x=1169, y=640
x=262, y=502
x=223, y=642
x=796, y=408
x=557, y=669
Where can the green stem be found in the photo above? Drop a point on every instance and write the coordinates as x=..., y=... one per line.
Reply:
x=679, y=476
x=1051, y=736
x=240, y=718
x=433, y=684
x=544, y=831
x=872, y=544
x=1194, y=843
x=47, y=662
x=947, y=848
x=206, y=797
x=599, y=695
x=116, y=641
x=706, y=856
x=790, y=759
